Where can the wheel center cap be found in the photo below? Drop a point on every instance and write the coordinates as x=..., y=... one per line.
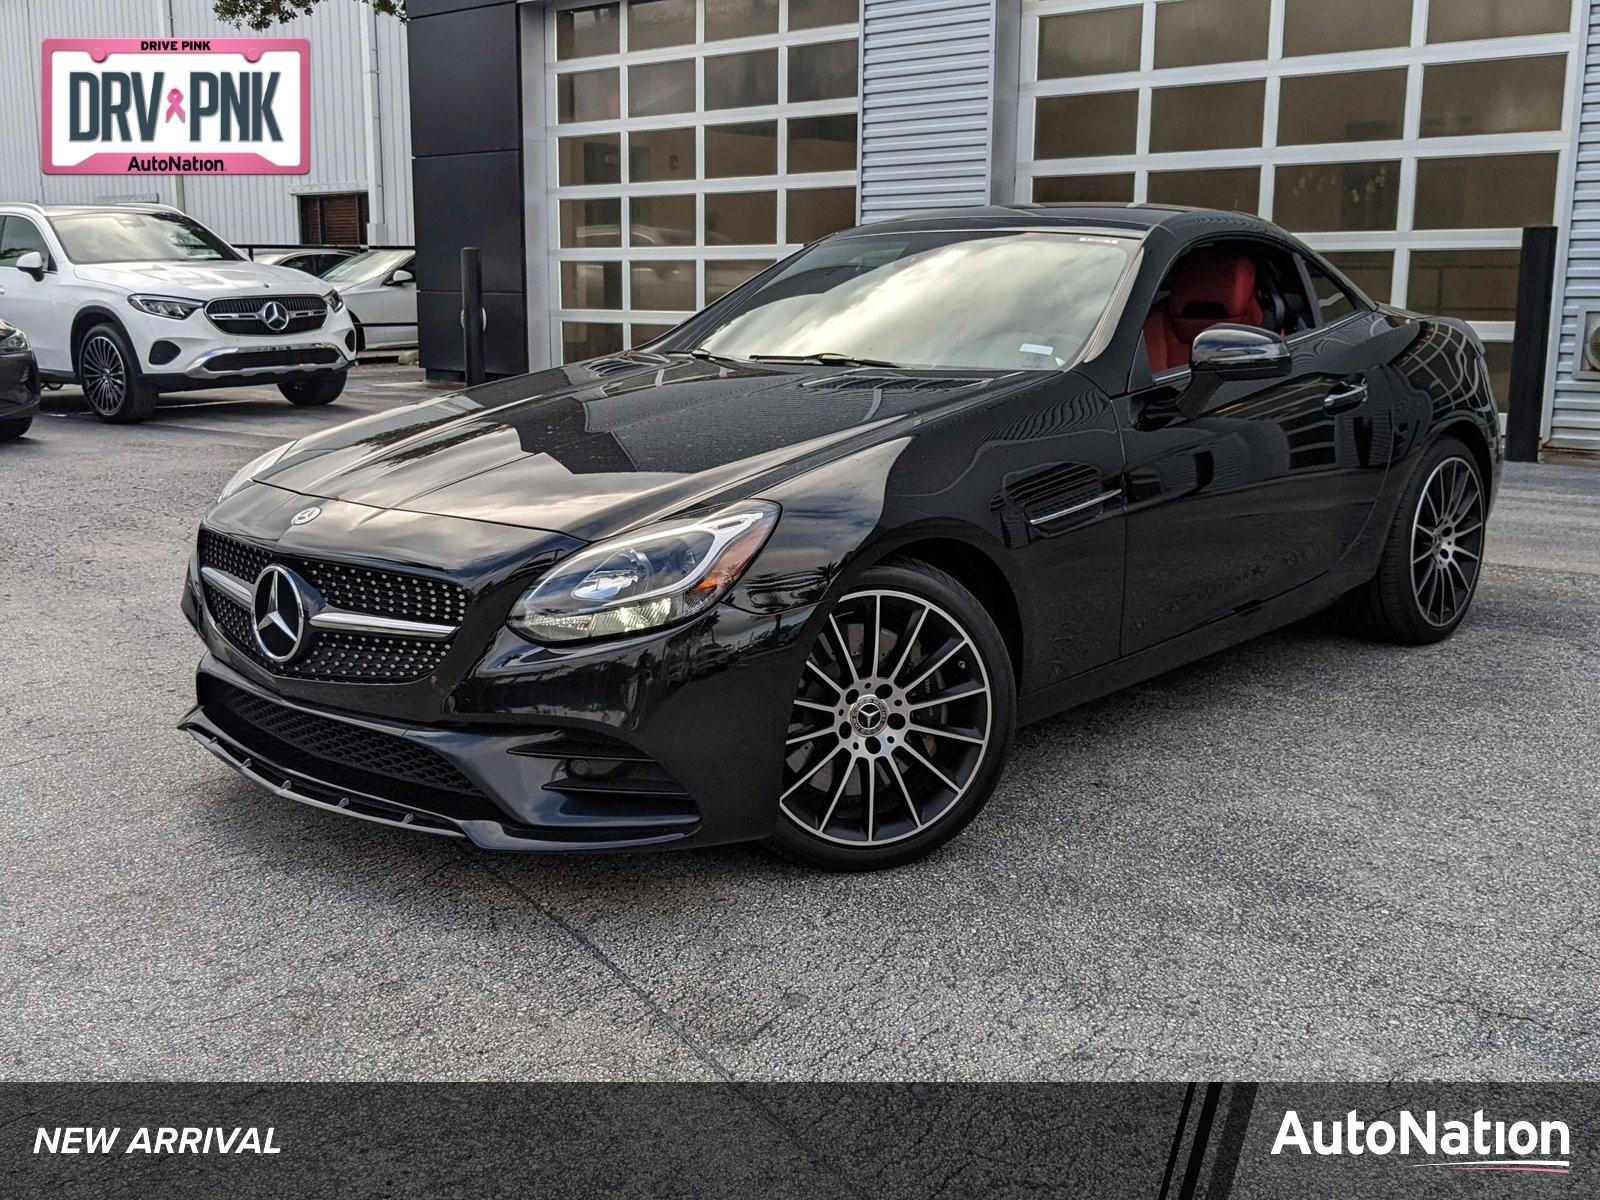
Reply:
x=869, y=715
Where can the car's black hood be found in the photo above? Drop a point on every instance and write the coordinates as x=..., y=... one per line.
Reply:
x=586, y=454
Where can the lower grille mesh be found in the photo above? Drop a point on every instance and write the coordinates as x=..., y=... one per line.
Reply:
x=385, y=765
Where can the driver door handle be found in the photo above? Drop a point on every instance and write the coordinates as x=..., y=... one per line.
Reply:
x=1351, y=394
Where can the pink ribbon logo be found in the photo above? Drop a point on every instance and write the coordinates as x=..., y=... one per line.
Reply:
x=175, y=105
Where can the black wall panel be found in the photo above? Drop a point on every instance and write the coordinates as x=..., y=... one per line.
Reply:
x=505, y=336
x=470, y=200
x=466, y=139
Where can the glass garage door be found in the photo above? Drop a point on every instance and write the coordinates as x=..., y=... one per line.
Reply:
x=692, y=143
x=1409, y=139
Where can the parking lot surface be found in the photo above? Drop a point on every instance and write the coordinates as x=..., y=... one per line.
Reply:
x=1309, y=857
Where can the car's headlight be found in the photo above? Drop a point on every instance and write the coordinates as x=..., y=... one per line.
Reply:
x=333, y=300
x=165, y=306
x=645, y=580
x=252, y=468
x=14, y=341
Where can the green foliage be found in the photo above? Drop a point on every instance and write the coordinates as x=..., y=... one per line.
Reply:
x=262, y=14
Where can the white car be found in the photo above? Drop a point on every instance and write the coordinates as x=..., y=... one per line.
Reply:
x=380, y=291
x=130, y=301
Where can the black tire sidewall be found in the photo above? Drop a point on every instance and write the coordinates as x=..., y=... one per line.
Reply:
x=138, y=398
x=14, y=427
x=933, y=584
x=309, y=393
x=1396, y=596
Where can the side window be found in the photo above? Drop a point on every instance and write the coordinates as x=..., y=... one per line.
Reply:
x=1333, y=302
x=18, y=235
x=1241, y=283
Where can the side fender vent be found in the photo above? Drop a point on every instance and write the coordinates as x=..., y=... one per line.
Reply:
x=1028, y=497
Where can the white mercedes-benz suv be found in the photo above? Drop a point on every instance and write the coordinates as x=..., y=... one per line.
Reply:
x=130, y=301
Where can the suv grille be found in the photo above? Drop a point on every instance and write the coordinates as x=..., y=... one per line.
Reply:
x=383, y=764
x=243, y=315
x=338, y=657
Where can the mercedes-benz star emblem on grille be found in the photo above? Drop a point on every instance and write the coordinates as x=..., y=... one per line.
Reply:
x=280, y=613
x=273, y=315
x=305, y=516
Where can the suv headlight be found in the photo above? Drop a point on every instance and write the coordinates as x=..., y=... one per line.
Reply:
x=248, y=472
x=639, y=581
x=333, y=300
x=14, y=341
x=165, y=306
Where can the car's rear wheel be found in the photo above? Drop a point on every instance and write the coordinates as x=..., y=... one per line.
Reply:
x=1433, y=555
x=900, y=723
x=108, y=372
x=308, y=393
x=14, y=428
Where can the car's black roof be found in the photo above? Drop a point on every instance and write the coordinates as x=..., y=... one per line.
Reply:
x=1135, y=218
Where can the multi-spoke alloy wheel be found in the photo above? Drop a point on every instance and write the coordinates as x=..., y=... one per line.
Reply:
x=105, y=375
x=895, y=722
x=1447, y=542
x=108, y=369
x=1433, y=553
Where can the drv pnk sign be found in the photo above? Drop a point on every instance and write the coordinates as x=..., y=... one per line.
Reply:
x=208, y=106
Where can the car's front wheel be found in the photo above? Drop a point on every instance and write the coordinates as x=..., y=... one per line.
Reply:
x=900, y=723
x=308, y=393
x=108, y=372
x=1433, y=555
x=14, y=428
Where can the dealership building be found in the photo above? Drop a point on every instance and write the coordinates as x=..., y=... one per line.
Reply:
x=623, y=163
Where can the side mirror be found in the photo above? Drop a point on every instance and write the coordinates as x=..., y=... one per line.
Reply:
x=1231, y=353
x=401, y=276
x=32, y=262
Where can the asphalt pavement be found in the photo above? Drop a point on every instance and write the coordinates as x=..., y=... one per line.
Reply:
x=1306, y=858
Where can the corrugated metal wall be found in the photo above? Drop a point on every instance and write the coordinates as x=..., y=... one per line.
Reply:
x=1575, y=415
x=926, y=104
x=256, y=208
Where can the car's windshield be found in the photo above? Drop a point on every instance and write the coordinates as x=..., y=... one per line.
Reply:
x=993, y=300
x=364, y=268
x=118, y=237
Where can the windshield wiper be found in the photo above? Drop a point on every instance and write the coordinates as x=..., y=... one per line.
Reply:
x=707, y=356
x=827, y=358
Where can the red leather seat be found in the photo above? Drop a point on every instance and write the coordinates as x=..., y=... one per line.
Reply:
x=1205, y=289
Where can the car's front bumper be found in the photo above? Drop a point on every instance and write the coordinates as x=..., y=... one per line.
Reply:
x=19, y=386
x=669, y=739
x=195, y=353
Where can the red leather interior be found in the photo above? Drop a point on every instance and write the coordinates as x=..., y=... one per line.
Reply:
x=1205, y=289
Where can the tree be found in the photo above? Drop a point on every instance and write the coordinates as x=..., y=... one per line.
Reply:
x=261, y=14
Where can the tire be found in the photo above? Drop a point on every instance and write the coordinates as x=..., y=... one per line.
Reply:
x=1433, y=556
x=309, y=393
x=108, y=372
x=875, y=776
x=14, y=428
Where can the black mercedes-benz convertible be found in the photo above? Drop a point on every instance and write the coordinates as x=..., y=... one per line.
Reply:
x=797, y=570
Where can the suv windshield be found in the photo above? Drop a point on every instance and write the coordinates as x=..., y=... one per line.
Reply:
x=1002, y=300
x=119, y=237
x=365, y=267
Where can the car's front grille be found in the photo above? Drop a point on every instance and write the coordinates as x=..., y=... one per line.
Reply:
x=249, y=314
x=239, y=559
x=337, y=752
x=334, y=656
x=262, y=360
